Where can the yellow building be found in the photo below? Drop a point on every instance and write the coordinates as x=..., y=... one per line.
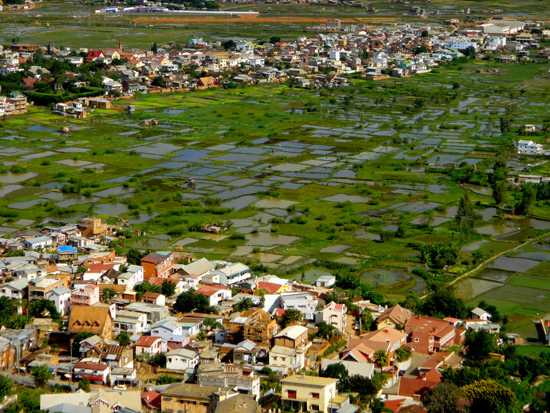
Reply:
x=308, y=393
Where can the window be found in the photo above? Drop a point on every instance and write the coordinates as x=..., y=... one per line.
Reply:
x=315, y=395
x=291, y=394
x=315, y=407
x=416, y=340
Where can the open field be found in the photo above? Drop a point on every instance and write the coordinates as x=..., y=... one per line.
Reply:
x=307, y=181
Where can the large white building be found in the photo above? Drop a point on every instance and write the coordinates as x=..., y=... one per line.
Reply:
x=526, y=147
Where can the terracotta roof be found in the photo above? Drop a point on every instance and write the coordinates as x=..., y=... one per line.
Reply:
x=155, y=258
x=396, y=314
x=151, y=399
x=91, y=366
x=147, y=341
x=89, y=319
x=210, y=289
x=99, y=268
x=428, y=325
x=271, y=288
x=410, y=386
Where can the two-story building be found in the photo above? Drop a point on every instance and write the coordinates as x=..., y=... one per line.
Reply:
x=308, y=393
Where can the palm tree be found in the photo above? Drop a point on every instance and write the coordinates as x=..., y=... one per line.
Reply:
x=381, y=359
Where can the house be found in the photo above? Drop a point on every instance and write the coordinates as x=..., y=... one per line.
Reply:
x=42, y=288
x=416, y=386
x=481, y=314
x=240, y=403
x=15, y=290
x=393, y=317
x=259, y=327
x=123, y=375
x=96, y=401
x=154, y=298
x=7, y=354
x=308, y=393
x=91, y=319
x=245, y=381
x=116, y=356
x=92, y=371
x=170, y=329
x=290, y=347
x=85, y=294
x=334, y=315
x=427, y=334
x=24, y=340
x=234, y=273
x=96, y=270
x=542, y=325
x=207, y=82
x=186, y=397
x=354, y=368
x=182, y=359
x=215, y=293
x=153, y=312
x=270, y=287
x=304, y=302
x=528, y=147
x=245, y=352
x=61, y=296
x=150, y=346
x=159, y=264
x=326, y=281
x=37, y=243
x=131, y=322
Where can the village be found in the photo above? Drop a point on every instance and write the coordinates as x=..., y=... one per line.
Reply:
x=81, y=80
x=170, y=332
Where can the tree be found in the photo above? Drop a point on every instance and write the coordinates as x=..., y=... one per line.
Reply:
x=134, y=256
x=159, y=360
x=438, y=256
x=108, y=294
x=123, y=339
x=489, y=396
x=229, y=45
x=5, y=387
x=154, y=48
x=381, y=358
x=43, y=308
x=479, y=344
x=291, y=316
x=444, y=398
x=403, y=353
x=465, y=214
x=84, y=385
x=499, y=189
x=443, y=303
x=190, y=300
x=337, y=371
x=244, y=304
x=41, y=375
x=365, y=387
x=527, y=197
x=327, y=331
x=168, y=288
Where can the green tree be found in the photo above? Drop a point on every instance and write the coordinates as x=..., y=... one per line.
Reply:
x=465, y=214
x=43, y=308
x=403, y=353
x=337, y=371
x=108, y=294
x=443, y=303
x=168, y=288
x=444, y=398
x=84, y=385
x=381, y=358
x=123, y=339
x=489, y=396
x=41, y=375
x=159, y=360
x=291, y=316
x=479, y=344
x=243, y=305
x=75, y=347
x=190, y=300
x=327, y=331
x=499, y=190
x=5, y=387
x=527, y=197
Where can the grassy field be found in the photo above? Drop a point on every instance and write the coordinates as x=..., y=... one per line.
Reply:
x=308, y=182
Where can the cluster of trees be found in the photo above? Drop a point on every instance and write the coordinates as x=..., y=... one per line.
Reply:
x=190, y=300
x=438, y=256
x=167, y=288
x=8, y=314
x=489, y=385
x=365, y=388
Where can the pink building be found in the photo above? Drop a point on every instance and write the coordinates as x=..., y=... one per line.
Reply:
x=85, y=294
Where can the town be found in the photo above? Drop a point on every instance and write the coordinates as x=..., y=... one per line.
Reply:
x=167, y=332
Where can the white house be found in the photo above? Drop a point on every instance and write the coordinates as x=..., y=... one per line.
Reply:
x=131, y=322
x=326, y=281
x=38, y=242
x=234, y=273
x=92, y=371
x=215, y=293
x=15, y=289
x=123, y=375
x=150, y=345
x=61, y=296
x=181, y=359
x=526, y=147
x=334, y=315
x=286, y=358
x=169, y=329
x=304, y=302
x=481, y=314
x=132, y=277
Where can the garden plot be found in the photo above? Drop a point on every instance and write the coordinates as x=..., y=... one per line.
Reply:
x=497, y=230
x=341, y=198
x=16, y=178
x=239, y=203
x=117, y=191
x=265, y=239
x=73, y=149
x=7, y=189
x=274, y=203
x=114, y=209
x=513, y=264
x=38, y=155
x=157, y=149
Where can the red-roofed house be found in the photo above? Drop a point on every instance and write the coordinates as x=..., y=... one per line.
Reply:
x=427, y=334
x=95, y=271
x=271, y=288
x=335, y=315
x=93, y=55
x=158, y=264
x=93, y=372
x=151, y=400
x=215, y=293
x=150, y=345
x=417, y=386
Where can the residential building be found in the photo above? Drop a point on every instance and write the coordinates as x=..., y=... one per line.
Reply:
x=428, y=334
x=245, y=381
x=308, y=393
x=334, y=315
x=215, y=293
x=528, y=147
x=480, y=314
x=182, y=359
x=15, y=290
x=393, y=317
x=259, y=327
x=290, y=347
x=91, y=319
x=186, y=397
x=304, y=302
x=41, y=289
x=131, y=322
x=61, y=296
x=150, y=346
x=85, y=294
x=92, y=371
x=159, y=264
